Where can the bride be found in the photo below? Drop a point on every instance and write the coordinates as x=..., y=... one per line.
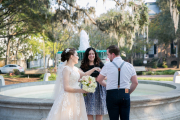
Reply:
x=69, y=102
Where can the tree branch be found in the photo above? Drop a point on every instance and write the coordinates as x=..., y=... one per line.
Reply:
x=117, y=2
x=83, y=10
x=16, y=34
x=13, y=22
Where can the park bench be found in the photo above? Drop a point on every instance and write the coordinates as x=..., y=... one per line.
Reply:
x=38, y=71
x=176, y=78
x=35, y=71
x=139, y=68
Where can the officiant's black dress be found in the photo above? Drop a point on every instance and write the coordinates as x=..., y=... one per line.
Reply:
x=96, y=102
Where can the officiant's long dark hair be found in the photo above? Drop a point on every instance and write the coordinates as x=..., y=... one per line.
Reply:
x=85, y=61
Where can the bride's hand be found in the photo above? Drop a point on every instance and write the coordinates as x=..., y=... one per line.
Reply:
x=83, y=91
x=97, y=69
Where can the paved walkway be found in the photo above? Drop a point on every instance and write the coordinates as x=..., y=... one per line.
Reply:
x=105, y=117
x=155, y=76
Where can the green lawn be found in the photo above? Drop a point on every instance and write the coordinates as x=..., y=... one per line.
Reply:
x=156, y=78
x=13, y=76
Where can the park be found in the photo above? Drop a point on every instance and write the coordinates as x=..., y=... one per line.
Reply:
x=34, y=33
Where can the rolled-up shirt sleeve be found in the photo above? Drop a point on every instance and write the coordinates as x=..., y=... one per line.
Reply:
x=104, y=71
x=133, y=71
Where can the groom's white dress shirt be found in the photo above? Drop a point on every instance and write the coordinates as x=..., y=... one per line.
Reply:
x=111, y=72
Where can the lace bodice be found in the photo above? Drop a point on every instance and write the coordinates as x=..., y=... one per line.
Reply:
x=74, y=77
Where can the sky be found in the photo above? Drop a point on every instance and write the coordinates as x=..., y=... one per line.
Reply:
x=99, y=5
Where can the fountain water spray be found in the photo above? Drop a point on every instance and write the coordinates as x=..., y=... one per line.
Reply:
x=84, y=40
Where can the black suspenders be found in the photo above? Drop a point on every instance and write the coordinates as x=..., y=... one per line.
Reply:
x=119, y=69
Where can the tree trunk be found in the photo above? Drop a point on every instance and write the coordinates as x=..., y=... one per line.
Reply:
x=56, y=61
x=55, y=64
x=132, y=60
x=17, y=50
x=7, y=52
x=178, y=60
x=43, y=52
x=53, y=55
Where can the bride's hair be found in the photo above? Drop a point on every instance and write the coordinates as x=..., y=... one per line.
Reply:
x=67, y=53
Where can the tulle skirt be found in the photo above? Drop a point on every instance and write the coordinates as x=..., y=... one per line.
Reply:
x=68, y=106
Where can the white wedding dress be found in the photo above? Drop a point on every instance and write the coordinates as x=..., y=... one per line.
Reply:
x=68, y=106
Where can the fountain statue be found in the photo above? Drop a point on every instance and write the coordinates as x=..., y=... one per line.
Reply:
x=84, y=40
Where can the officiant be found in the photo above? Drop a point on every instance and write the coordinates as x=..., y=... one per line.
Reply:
x=95, y=102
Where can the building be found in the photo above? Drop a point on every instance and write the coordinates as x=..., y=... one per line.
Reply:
x=157, y=51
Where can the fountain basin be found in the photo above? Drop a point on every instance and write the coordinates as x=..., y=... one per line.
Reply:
x=161, y=105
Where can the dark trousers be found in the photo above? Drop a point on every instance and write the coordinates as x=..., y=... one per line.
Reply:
x=118, y=104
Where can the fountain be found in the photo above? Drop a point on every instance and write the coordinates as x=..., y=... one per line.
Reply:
x=31, y=101
x=84, y=40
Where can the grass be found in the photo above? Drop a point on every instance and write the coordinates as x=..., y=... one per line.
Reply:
x=51, y=78
x=158, y=72
x=21, y=76
x=156, y=78
x=13, y=76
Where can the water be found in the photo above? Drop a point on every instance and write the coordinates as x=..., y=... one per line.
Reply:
x=45, y=91
x=84, y=40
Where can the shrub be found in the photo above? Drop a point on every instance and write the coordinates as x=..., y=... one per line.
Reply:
x=149, y=73
x=165, y=66
x=138, y=62
x=166, y=72
x=16, y=72
x=169, y=72
x=42, y=76
x=22, y=73
x=51, y=70
x=139, y=72
x=149, y=69
x=158, y=73
x=154, y=66
x=159, y=64
x=52, y=77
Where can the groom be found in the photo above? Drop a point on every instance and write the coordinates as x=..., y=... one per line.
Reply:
x=119, y=73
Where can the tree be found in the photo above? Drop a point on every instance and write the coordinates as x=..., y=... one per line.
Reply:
x=22, y=17
x=57, y=36
x=1, y=51
x=128, y=27
x=122, y=24
x=161, y=28
x=164, y=28
x=33, y=17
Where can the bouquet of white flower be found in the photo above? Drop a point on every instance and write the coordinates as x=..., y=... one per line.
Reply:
x=89, y=84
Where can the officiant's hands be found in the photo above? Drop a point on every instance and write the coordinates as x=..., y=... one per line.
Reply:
x=97, y=69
